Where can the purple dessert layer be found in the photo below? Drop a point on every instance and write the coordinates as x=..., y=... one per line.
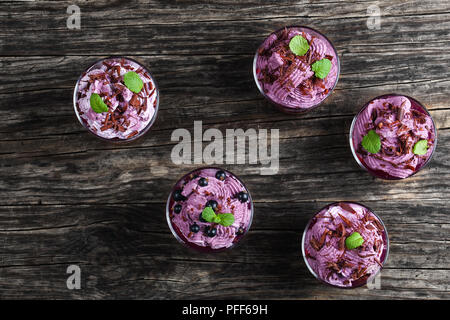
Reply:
x=400, y=126
x=129, y=113
x=325, y=248
x=224, y=192
x=287, y=79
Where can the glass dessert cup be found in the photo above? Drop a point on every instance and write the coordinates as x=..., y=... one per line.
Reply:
x=359, y=153
x=150, y=93
x=382, y=236
x=334, y=73
x=190, y=206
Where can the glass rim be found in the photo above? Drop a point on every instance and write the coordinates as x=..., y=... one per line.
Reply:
x=386, y=236
x=195, y=247
x=355, y=118
x=282, y=107
x=116, y=140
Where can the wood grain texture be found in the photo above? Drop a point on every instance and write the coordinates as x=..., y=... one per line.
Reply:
x=69, y=198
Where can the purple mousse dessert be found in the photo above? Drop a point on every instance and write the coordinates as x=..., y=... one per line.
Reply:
x=209, y=210
x=116, y=99
x=393, y=137
x=296, y=68
x=345, y=244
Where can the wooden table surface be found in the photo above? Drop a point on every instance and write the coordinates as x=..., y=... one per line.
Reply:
x=67, y=197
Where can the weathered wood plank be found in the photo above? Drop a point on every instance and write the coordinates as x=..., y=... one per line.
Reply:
x=111, y=175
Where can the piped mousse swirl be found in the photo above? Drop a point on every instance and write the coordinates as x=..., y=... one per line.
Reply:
x=325, y=244
x=288, y=79
x=400, y=123
x=224, y=193
x=128, y=112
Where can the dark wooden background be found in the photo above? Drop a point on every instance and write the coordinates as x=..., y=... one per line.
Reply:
x=69, y=198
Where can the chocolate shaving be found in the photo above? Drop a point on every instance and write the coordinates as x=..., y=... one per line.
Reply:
x=378, y=261
x=342, y=243
x=132, y=134
x=366, y=256
x=374, y=115
x=388, y=151
x=347, y=264
x=400, y=112
x=135, y=101
x=342, y=232
x=310, y=256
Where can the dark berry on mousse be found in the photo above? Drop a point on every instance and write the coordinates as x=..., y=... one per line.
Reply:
x=203, y=182
x=194, y=228
x=200, y=217
x=212, y=203
x=177, y=208
x=177, y=196
x=210, y=232
x=220, y=175
x=242, y=196
x=240, y=231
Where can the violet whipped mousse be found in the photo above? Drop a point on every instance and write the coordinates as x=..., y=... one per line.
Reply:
x=209, y=209
x=344, y=244
x=116, y=99
x=393, y=136
x=296, y=68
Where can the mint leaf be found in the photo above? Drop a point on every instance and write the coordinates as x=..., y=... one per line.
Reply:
x=321, y=68
x=299, y=45
x=226, y=219
x=421, y=147
x=208, y=214
x=354, y=241
x=133, y=81
x=371, y=142
x=97, y=104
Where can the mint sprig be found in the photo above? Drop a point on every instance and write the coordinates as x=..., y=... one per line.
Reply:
x=224, y=219
x=371, y=142
x=133, y=81
x=354, y=241
x=97, y=104
x=299, y=45
x=321, y=68
x=421, y=147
